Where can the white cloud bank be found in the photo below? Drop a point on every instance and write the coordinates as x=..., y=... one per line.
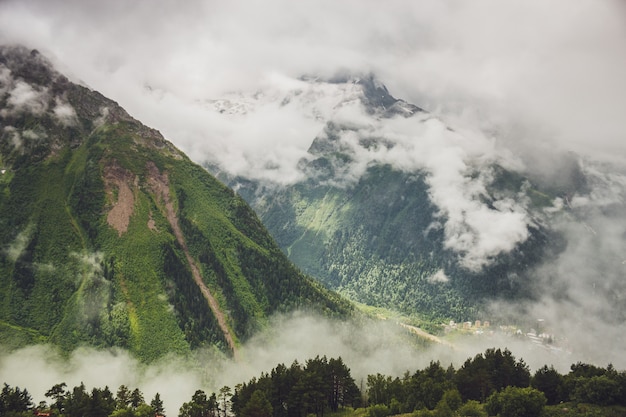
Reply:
x=366, y=348
x=23, y=98
x=557, y=63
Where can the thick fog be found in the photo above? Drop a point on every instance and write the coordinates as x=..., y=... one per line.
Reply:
x=529, y=85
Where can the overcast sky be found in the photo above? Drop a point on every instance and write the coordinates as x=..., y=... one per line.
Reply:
x=557, y=66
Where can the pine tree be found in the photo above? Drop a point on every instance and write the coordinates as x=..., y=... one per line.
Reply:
x=257, y=406
x=157, y=404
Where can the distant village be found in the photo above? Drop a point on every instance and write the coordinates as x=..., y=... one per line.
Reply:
x=537, y=335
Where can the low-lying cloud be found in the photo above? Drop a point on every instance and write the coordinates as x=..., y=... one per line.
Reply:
x=64, y=113
x=581, y=292
x=38, y=368
x=24, y=98
x=367, y=347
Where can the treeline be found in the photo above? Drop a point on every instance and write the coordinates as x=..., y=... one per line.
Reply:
x=78, y=402
x=298, y=391
x=492, y=383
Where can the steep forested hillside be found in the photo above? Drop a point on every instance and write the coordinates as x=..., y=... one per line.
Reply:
x=374, y=242
x=110, y=236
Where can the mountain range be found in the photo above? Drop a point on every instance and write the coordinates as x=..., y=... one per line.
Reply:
x=382, y=232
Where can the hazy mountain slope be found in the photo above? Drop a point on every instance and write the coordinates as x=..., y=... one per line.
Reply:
x=112, y=237
x=373, y=231
x=375, y=243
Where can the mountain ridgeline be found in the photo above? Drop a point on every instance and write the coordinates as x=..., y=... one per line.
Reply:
x=110, y=236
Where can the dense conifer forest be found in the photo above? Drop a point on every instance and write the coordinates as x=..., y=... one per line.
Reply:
x=493, y=383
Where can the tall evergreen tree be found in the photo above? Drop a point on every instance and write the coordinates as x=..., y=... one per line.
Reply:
x=157, y=404
x=199, y=406
x=225, y=395
x=257, y=406
x=102, y=402
x=550, y=382
x=136, y=398
x=14, y=400
x=77, y=402
x=57, y=394
x=123, y=397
